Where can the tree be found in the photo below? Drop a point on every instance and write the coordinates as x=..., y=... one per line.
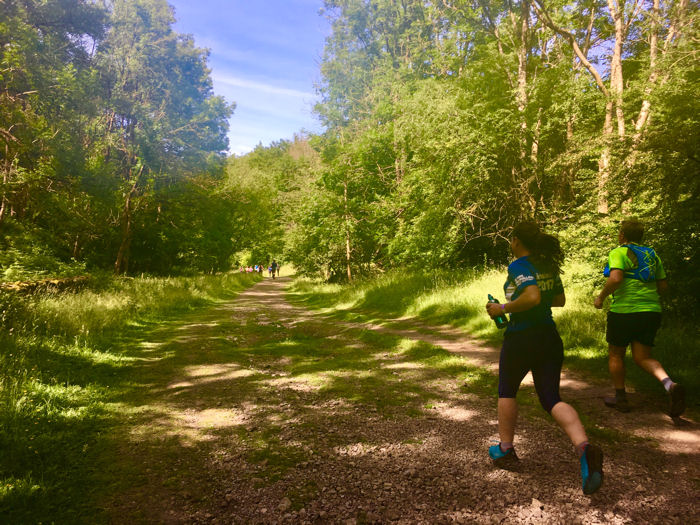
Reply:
x=44, y=75
x=161, y=120
x=105, y=114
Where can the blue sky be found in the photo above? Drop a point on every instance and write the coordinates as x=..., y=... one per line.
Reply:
x=265, y=57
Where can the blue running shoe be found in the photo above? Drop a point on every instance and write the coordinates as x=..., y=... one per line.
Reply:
x=592, y=469
x=506, y=460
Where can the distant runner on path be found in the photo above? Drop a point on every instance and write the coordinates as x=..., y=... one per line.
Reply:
x=274, y=268
x=636, y=277
x=532, y=343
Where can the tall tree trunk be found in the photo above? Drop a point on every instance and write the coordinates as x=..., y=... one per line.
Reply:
x=535, y=147
x=613, y=104
x=5, y=180
x=521, y=95
x=522, y=28
x=399, y=163
x=494, y=29
x=617, y=10
x=121, y=265
x=76, y=247
x=8, y=198
x=676, y=22
x=645, y=110
x=348, y=251
x=565, y=183
x=604, y=160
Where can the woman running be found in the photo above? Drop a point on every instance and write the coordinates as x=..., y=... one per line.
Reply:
x=532, y=343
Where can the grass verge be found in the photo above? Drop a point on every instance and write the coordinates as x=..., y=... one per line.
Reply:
x=62, y=364
x=458, y=299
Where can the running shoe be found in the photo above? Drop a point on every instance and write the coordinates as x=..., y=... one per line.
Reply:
x=618, y=404
x=505, y=460
x=677, y=400
x=592, y=469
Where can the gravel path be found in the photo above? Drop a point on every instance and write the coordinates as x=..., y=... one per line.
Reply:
x=229, y=427
x=648, y=420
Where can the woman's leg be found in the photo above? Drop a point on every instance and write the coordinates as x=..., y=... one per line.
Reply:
x=507, y=418
x=512, y=368
x=567, y=418
x=590, y=456
x=546, y=373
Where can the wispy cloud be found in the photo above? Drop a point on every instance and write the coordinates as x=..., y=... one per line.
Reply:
x=265, y=58
x=240, y=149
x=267, y=88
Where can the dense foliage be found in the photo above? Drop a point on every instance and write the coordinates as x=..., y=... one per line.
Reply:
x=273, y=186
x=112, y=142
x=448, y=122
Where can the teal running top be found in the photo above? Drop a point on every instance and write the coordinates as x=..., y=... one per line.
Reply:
x=521, y=274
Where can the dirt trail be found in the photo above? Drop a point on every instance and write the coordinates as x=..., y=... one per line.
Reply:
x=258, y=411
x=648, y=420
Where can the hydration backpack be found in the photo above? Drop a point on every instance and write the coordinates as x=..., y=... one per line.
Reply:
x=646, y=264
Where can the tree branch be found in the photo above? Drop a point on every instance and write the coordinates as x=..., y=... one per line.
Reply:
x=541, y=11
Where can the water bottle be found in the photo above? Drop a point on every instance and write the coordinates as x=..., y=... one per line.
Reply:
x=501, y=321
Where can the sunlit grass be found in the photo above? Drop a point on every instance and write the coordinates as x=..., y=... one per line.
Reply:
x=92, y=313
x=63, y=364
x=459, y=298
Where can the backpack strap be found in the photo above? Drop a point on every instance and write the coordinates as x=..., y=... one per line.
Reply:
x=646, y=264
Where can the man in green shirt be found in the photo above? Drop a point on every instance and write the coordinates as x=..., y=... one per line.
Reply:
x=636, y=277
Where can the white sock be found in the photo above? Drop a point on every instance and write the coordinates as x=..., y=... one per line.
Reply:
x=667, y=383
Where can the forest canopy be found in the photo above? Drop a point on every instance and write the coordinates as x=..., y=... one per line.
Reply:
x=112, y=141
x=448, y=122
x=445, y=124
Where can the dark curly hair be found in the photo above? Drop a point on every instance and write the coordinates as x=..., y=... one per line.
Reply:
x=545, y=250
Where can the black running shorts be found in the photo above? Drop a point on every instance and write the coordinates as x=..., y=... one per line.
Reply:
x=623, y=329
x=539, y=349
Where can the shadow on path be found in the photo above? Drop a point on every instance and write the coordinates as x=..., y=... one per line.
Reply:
x=648, y=420
x=258, y=411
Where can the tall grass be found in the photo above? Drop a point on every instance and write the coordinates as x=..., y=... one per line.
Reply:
x=459, y=299
x=63, y=363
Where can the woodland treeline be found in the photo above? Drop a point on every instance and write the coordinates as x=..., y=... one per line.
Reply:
x=112, y=141
x=449, y=121
x=446, y=123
